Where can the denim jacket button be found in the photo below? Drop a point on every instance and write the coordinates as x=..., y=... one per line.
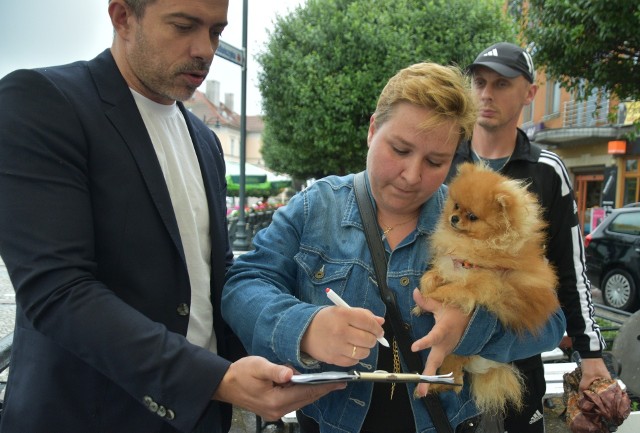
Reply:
x=404, y=281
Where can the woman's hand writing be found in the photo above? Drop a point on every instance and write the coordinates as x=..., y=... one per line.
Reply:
x=342, y=336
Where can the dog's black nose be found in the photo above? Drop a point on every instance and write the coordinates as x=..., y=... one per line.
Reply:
x=455, y=219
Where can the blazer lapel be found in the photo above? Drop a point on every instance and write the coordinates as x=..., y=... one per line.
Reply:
x=123, y=113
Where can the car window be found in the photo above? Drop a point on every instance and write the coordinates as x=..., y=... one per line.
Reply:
x=626, y=223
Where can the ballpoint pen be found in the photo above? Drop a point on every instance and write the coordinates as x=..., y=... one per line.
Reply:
x=337, y=300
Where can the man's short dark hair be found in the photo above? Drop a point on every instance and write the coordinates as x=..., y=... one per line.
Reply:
x=138, y=6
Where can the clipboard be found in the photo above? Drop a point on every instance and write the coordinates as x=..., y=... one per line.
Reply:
x=376, y=376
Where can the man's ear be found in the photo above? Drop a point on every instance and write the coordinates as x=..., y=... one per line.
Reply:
x=120, y=14
x=531, y=94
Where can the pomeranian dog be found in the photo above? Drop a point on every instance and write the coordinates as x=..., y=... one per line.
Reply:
x=488, y=251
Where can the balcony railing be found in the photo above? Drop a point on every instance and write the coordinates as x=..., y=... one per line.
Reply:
x=581, y=114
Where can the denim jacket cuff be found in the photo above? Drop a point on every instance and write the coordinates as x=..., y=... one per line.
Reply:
x=480, y=329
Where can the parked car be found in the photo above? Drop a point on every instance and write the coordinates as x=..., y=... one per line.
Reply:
x=613, y=258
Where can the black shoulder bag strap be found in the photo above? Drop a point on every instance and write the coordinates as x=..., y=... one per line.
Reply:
x=414, y=363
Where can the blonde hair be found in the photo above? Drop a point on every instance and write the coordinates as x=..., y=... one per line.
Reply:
x=445, y=90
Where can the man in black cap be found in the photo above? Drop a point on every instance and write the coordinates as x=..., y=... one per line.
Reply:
x=503, y=78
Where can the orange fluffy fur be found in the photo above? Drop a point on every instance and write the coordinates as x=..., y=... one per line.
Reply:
x=488, y=250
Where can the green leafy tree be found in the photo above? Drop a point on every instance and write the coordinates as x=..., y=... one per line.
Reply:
x=326, y=63
x=586, y=44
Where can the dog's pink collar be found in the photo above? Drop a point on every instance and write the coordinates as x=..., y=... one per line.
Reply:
x=459, y=263
x=465, y=264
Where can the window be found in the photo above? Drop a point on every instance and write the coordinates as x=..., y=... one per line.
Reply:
x=631, y=179
x=552, y=105
x=630, y=190
x=626, y=223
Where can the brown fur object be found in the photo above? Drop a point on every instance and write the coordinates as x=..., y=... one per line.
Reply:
x=488, y=250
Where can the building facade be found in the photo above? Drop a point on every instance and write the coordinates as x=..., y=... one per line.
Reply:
x=592, y=138
x=225, y=122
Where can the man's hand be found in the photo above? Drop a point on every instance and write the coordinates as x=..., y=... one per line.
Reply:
x=264, y=388
x=592, y=368
x=442, y=339
x=342, y=336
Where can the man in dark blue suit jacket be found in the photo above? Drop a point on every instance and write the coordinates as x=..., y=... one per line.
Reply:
x=90, y=235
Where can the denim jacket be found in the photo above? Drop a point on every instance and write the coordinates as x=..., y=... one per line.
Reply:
x=317, y=241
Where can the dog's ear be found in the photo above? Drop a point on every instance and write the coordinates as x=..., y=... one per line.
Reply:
x=506, y=203
x=509, y=193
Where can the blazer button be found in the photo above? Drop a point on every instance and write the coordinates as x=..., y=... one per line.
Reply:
x=170, y=415
x=147, y=401
x=183, y=309
x=161, y=411
x=404, y=281
x=153, y=407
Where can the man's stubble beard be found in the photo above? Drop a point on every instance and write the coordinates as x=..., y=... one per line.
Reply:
x=157, y=78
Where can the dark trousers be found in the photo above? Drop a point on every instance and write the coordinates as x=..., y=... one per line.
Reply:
x=530, y=418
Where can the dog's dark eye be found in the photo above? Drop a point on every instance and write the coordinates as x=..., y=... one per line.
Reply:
x=472, y=216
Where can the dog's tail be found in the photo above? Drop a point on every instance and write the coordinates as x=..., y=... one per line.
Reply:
x=495, y=385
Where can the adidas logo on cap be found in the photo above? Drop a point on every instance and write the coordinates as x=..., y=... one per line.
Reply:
x=493, y=52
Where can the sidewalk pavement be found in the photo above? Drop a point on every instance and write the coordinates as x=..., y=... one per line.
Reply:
x=7, y=310
x=7, y=302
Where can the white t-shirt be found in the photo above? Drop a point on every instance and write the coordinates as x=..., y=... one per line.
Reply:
x=176, y=154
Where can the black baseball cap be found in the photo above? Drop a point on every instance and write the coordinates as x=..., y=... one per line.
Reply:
x=506, y=59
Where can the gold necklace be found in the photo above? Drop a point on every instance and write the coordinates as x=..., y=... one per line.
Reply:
x=388, y=228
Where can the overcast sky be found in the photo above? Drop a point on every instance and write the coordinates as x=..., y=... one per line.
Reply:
x=37, y=33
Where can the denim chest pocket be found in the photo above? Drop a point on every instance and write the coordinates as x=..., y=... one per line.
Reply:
x=317, y=273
